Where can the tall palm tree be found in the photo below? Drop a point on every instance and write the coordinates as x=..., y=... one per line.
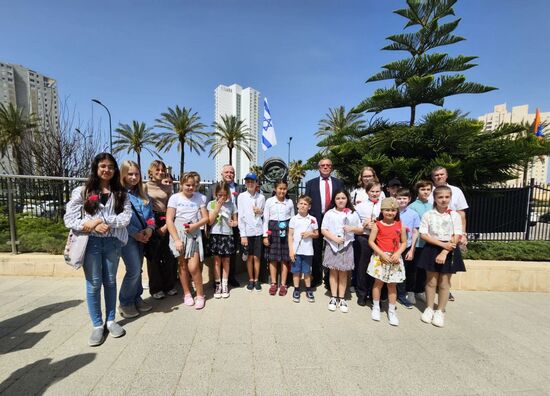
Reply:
x=337, y=126
x=135, y=138
x=15, y=126
x=182, y=127
x=232, y=134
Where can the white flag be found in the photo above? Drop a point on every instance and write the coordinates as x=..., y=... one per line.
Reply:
x=268, y=132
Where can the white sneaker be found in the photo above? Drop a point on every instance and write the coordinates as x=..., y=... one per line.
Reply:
x=225, y=291
x=332, y=304
x=375, y=314
x=439, y=318
x=392, y=317
x=427, y=315
x=343, y=306
x=218, y=291
x=411, y=298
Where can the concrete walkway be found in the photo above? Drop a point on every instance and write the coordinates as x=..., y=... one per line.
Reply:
x=493, y=343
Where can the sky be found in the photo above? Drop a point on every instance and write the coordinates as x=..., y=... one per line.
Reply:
x=140, y=57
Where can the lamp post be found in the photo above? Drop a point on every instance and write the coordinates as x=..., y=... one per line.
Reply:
x=110, y=127
x=289, y=140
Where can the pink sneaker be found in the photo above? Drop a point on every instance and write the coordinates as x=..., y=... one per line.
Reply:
x=188, y=300
x=200, y=302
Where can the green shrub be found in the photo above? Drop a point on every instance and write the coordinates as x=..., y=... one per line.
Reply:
x=512, y=251
x=35, y=234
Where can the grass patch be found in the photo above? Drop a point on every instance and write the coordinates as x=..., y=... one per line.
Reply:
x=35, y=234
x=510, y=251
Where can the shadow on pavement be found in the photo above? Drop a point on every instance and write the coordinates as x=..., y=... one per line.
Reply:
x=35, y=378
x=16, y=336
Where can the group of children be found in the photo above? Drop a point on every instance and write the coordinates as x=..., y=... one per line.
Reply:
x=407, y=247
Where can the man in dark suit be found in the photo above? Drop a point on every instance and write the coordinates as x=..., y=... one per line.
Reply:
x=321, y=190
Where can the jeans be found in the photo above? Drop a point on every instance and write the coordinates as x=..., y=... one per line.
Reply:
x=100, y=267
x=131, y=288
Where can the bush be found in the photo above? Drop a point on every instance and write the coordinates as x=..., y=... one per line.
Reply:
x=512, y=251
x=35, y=234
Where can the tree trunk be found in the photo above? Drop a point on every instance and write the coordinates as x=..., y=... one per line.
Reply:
x=139, y=161
x=230, y=155
x=182, y=157
x=413, y=115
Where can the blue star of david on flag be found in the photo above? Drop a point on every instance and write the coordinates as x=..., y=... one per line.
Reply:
x=268, y=132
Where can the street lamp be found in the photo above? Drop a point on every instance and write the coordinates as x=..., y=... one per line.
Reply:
x=110, y=127
x=289, y=140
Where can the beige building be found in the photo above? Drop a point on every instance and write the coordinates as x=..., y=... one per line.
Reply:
x=500, y=115
x=31, y=91
x=244, y=104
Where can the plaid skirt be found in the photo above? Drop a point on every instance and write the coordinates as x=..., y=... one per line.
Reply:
x=341, y=261
x=278, y=246
x=192, y=243
x=221, y=245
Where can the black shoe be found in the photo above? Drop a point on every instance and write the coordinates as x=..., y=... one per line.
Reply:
x=233, y=282
x=362, y=301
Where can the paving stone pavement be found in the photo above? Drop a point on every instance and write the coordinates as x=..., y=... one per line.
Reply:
x=255, y=344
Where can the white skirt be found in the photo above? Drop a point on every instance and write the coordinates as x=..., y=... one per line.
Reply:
x=388, y=273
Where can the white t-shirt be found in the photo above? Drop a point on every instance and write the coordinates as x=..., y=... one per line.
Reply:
x=441, y=225
x=458, y=200
x=221, y=225
x=277, y=210
x=303, y=224
x=334, y=222
x=187, y=209
x=250, y=223
x=368, y=210
x=359, y=195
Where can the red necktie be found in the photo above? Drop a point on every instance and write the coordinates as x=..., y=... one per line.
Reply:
x=327, y=195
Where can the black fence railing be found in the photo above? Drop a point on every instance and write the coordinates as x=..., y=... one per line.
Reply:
x=496, y=213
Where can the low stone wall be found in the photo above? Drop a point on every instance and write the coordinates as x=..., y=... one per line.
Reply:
x=480, y=275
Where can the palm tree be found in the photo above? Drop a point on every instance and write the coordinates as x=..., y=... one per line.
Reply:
x=258, y=170
x=182, y=127
x=232, y=134
x=15, y=125
x=338, y=126
x=135, y=138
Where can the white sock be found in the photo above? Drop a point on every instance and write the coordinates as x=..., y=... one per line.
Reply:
x=98, y=327
x=224, y=282
x=217, y=281
x=376, y=304
x=110, y=322
x=391, y=307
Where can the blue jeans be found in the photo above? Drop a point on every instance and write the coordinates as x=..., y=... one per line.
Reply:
x=100, y=267
x=131, y=288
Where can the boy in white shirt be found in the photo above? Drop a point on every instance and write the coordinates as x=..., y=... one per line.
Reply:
x=251, y=207
x=302, y=230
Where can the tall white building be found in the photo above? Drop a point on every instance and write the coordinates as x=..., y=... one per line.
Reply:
x=244, y=104
x=500, y=115
x=32, y=92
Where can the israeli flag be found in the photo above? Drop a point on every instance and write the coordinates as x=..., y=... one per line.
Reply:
x=268, y=132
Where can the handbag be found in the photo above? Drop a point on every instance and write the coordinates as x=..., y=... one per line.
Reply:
x=75, y=249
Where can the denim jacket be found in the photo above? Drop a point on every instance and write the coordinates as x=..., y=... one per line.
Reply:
x=145, y=212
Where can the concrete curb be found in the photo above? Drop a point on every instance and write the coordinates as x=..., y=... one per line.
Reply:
x=480, y=276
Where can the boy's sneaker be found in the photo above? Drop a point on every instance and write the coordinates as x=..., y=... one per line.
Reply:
x=375, y=314
x=282, y=290
x=392, y=316
x=142, y=306
x=406, y=303
x=273, y=289
x=427, y=315
x=310, y=296
x=218, y=291
x=258, y=286
x=343, y=306
x=159, y=295
x=332, y=304
x=225, y=291
x=172, y=292
x=128, y=311
x=421, y=296
x=439, y=318
x=411, y=298
x=250, y=286
x=296, y=295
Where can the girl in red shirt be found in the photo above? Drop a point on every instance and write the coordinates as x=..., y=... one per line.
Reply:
x=388, y=240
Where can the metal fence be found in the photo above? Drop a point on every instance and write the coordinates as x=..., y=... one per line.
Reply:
x=496, y=214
